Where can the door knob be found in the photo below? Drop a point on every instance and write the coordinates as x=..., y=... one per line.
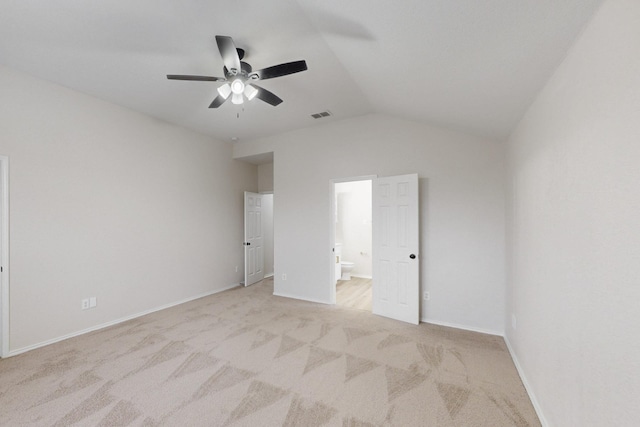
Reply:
x=412, y=256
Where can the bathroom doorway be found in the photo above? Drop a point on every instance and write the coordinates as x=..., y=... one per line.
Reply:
x=352, y=236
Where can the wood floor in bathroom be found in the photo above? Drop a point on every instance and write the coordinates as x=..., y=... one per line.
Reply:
x=354, y=293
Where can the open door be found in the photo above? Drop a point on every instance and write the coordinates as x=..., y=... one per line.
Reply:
x=253, y=239
x=396, y=286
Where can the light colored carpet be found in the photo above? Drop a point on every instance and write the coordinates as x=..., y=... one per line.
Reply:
x=246, y=358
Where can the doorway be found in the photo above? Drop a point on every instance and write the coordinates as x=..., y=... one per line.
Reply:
x=395, y=259
x=352, y=234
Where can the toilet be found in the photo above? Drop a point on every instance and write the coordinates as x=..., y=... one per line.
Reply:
x=346, y=267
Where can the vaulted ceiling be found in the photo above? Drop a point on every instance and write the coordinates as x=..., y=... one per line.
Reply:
x=473, y=65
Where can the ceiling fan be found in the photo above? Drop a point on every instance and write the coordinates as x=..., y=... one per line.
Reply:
x=239, y=78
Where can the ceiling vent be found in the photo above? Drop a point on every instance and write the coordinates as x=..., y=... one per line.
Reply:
x=321, y=115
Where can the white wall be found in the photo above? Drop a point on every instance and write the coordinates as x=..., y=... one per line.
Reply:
x=110, y=203
x=574, y=230
x=267, y=229
x=265, y=177
x=353, y=226
x=461, y=218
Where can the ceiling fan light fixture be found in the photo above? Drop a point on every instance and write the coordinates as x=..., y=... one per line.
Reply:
x=236, y=98
x=237, y=87
x=224, y=90
x=250, y=92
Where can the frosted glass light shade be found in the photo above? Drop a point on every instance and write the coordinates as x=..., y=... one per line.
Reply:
x=250, y=92
x=237, y=87
x=224, y=90
x=236, y=98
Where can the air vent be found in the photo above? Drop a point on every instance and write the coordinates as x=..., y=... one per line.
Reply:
x=321, y=115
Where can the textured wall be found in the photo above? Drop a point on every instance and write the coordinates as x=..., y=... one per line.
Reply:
x=110, y=203
x=574, y=233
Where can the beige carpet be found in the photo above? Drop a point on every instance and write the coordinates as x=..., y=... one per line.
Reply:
x=245, y=357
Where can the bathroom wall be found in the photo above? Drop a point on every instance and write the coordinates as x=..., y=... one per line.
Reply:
x=353, y=226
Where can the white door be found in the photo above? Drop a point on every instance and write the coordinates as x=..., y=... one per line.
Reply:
x=253, y=239
x=396, y=287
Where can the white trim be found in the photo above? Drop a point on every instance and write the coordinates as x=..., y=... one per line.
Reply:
x=464, y=327
x=4, y=258
x=266, y=276
x=527, y=385
x=115, y=322
x=361, y=276
x=285, y=295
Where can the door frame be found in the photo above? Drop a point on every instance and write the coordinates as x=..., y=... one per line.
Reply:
x=4, y=256
x=332, y=230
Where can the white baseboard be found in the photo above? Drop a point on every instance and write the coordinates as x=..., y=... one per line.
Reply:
x=362, y=276
x=266, y=276
x=464, y=327
x=527, y=385
x=279, y=294
x=115, y=322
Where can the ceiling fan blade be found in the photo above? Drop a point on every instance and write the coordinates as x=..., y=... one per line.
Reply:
x=198, y=78
x=267, y=96
x=228, y=52
x=218, y=101
x=281, y=70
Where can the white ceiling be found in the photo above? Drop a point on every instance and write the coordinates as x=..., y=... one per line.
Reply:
x=473, y=65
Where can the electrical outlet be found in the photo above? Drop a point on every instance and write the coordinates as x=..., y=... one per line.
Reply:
x=236, y=268
x=92, y=302
x=84, y=304
x=514, y=322
x=284, y=276
x=427, y=296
